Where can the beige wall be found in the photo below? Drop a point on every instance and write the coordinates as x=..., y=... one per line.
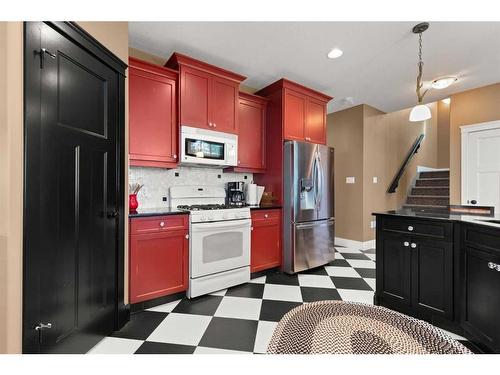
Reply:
x=345, y=135
x=467, y=108
x=443, y=129
x=114, y=35
x=369, y=143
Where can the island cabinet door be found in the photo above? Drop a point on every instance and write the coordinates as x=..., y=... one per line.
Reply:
x=158, y=264
x=393, y=272
x=432, y=277
x=481, y=296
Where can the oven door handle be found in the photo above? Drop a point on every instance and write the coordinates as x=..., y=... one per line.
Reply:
x=221, y=225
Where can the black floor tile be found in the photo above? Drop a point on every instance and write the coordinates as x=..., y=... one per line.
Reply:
x=149, y=347
x=248, y=290
x=350, y=283
x=233, y=334
x=368, y=273
x=282, y=278
x=204, y=305
x=339, y=263
x=315, y=271
x=355, y=256
x=469, y=345
x=273, y=311
x=319, y=294
x=141, y=325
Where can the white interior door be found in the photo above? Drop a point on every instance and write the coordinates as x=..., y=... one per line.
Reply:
x=481, y=185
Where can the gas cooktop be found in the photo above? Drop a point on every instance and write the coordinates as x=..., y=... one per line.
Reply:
x=204, y=207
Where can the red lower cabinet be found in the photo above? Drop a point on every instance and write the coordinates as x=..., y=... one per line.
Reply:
x=266, y=240
x=159, y=261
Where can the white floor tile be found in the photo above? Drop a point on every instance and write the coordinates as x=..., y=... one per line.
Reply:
x=341, y=271
x=357, y=263
x=348, y=250
x=371, y=256
x=182, y=329
x=259, y=280
x=167, y=307
x=338, y=256
x=239, y=308
x=206, y=350
x=265, y=331
x=282, y=292
x=364, y=296
x=371, y=282
x=316, y=281
x=115, y=345
x=219, y=293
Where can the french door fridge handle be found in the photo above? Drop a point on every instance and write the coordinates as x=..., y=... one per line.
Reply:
x=320, y=180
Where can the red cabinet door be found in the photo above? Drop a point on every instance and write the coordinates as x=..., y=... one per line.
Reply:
x=152, y=116
x=195, y=90
x=266, y=241
x=223, y=105
x=158, y=264
x=251, y=138
x=315, y=130
x=294, y=115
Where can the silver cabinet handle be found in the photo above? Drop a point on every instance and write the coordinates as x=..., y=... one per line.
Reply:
x=41, y=326
x=410, y=228
x=162, y=224
x=406, y=244
x=413, y=245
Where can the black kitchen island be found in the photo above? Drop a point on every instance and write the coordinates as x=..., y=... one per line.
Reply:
x=443, y=268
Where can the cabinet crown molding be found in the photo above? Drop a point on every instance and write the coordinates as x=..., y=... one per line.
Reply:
x=284, y=83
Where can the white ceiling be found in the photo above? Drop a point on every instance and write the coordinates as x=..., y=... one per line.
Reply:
x=378, y=66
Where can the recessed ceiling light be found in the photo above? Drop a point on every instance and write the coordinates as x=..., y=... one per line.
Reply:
x=334, y=53
x=442, y=83
x=446, y=100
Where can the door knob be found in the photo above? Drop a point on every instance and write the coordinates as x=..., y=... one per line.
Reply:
x=112, y=214
x=473, y=201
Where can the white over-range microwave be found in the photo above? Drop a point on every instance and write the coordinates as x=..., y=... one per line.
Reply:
x=208, y=147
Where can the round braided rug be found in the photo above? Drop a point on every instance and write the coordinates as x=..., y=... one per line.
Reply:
x=339, y=327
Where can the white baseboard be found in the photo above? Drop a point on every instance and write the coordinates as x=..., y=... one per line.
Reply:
x=356, y=244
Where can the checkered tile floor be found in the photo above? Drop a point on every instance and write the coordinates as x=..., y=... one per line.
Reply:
x=242, y=319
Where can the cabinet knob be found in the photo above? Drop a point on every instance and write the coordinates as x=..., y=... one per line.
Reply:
x=210, y=124
x=175, y=156
x=492, y=265
x=162, y=224
x=214, y=125
x=187, y=236
x=406, y=244
x=413, y=245
x=239, y=162
x=410, y=228
x=266, y=216
x=251, y=228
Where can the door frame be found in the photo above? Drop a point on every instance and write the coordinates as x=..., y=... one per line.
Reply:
x=465, y=131
x=32, y=110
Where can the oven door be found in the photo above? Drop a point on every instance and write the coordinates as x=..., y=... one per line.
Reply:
x=219, y=246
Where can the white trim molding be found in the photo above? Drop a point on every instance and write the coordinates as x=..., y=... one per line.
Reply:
x=356, y=244
x=465, y=130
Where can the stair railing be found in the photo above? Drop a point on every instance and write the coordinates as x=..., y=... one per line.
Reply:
x=409, y=157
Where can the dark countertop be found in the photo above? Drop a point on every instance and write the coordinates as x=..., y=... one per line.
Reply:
x=157, y=211
x=265, y=207
x=446, y=216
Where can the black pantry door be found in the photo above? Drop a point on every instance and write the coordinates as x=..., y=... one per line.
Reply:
x=74, y=117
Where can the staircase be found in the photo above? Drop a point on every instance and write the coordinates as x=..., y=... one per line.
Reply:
x=431, y=191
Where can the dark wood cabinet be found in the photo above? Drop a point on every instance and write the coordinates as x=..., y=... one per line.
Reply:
x=414, y=269
x=208, y=94
x=159, y=257
x=265, y=240
x=480, y=287
x=152, y=115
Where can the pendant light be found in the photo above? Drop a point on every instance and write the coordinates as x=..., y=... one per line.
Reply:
x=420, y=112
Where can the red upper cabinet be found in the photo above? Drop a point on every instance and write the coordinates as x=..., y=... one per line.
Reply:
x=252, y=134
x=152, y=115
x=208, y=94
x=303, y=111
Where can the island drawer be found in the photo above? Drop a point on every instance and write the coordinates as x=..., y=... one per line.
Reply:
x=427, y=228
x=483, y=237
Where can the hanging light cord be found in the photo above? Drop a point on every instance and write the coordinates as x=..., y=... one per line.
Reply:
x=420, y=95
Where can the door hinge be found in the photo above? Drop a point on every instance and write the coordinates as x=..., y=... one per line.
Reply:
x=42, y=52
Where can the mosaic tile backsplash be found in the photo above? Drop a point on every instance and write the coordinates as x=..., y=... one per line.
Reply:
x=157, y=181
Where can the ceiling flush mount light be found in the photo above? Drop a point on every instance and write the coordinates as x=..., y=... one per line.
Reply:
x=420, y=112
x=442, y=83
x=335, y=53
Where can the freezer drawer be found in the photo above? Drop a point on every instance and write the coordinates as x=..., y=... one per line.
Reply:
x=312, y=244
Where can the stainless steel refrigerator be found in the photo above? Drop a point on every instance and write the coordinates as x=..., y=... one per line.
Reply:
x=308, y=220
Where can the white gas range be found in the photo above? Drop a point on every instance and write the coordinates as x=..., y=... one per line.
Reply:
x=219, y=238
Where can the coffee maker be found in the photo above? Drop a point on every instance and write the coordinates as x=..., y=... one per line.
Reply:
x=235, y=193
